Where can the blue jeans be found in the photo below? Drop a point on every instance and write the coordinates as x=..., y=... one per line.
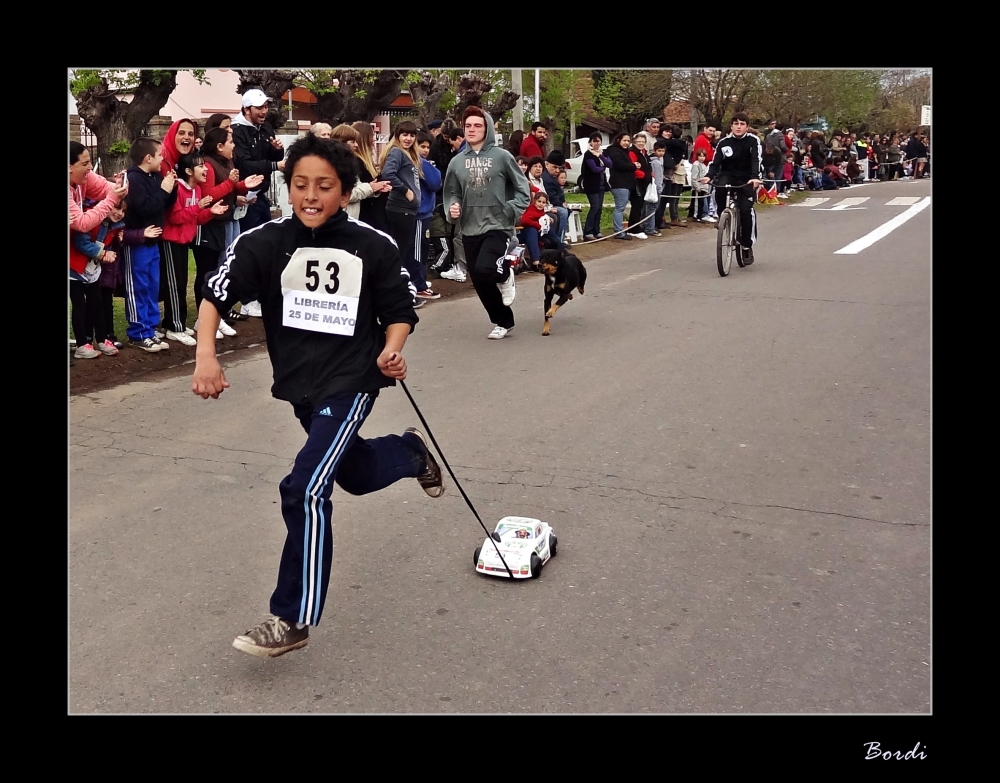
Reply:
x=618, y=217
x=592, y=225
x=529, y=235
x=563, y=214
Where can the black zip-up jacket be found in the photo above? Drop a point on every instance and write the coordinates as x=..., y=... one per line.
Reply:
x=147, y=201
x=737, y=160
x=253, y=153
x=677, y=151
x=622, y=168
x=346, y=274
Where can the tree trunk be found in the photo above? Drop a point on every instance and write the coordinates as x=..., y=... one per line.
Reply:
x=117, y=123
x=359, y=97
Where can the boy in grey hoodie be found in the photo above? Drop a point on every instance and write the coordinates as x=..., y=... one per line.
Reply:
x=485, y=193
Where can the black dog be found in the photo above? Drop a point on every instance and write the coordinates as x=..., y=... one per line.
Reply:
x=563, y=272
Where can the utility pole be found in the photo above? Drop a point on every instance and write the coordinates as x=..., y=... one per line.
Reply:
x=572, y=119
x=538, y=109
x=515, y=84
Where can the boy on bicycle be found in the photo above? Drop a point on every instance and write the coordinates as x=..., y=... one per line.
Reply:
x=737, y=161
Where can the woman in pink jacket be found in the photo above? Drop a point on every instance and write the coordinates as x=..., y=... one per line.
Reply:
x=84, y=184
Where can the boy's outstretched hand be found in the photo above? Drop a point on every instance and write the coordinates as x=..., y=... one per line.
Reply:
x=209, y=380
x=392, y=364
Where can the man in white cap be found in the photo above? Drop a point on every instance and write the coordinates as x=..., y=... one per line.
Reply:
x=258, y=151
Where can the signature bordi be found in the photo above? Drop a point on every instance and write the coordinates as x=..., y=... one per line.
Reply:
x=875, y=752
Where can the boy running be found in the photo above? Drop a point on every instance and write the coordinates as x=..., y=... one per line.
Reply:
x=336, y=312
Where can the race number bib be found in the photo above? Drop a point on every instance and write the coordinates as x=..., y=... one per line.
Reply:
x=320, y=287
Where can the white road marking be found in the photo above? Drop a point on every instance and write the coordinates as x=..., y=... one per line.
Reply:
x=846, y=203
x=884, y=230
x=629, y=279
x=902, y=201
x=811, y=202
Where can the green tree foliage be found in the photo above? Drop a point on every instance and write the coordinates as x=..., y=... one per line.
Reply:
x=901, y=94
x=844, y=97
x=100, y=102
x=630, y=96
x=562, y=95
x=718, y=94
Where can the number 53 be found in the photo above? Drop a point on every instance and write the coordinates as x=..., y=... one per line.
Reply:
x=333, y=268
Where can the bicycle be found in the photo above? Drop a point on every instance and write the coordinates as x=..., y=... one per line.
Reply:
x=726, y=244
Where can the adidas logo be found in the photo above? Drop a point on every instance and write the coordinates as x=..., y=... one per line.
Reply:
x=325, y=412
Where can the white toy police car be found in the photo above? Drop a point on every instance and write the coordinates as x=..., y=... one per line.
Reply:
x=526, y=545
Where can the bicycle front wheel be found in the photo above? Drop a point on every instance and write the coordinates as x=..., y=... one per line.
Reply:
x=724, y=242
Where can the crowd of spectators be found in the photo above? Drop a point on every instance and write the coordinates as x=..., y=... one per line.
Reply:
x=201, y=187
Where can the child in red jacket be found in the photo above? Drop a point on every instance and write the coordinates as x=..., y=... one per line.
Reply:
x=189, y=211
x=536, y=225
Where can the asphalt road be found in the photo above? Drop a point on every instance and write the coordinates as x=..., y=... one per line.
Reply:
x=738, y=470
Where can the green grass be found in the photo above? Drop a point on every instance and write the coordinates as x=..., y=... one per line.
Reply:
x=609, y=208
x=121, y=323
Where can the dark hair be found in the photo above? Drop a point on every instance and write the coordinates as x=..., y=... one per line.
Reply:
x=76, y=149
x=472, y=111
x=513, y=145
x=676, y=130
x=536, y=125
x=455, y=133
x=339, y=156
x=215, y=137
x=539, y=194
x=141, y=147
x=215, y=121
x=595, y=136
x=741, y=116
x=188, y=161
x=535, y=159
x=619, y=136
x=406, y=126
x=424, y=136
x=521, y=159
x=659, y=145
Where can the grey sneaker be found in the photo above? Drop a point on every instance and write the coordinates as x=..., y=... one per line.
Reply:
x=431, y=479
x=86, y=352
x=272, y=638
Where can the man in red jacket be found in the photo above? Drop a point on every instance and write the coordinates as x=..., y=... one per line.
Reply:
x=534, y=142
x=706, y=135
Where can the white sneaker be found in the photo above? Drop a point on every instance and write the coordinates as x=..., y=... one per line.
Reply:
x=782, y=195
x=453, y=274
x=182, y=338
x=189, y=331
x=709, y=219
x=498, y=333
x=72, y=342
x=252, y=309
x=225, y=329
x=507, y=294
x=640, y=235
x=158, y=333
